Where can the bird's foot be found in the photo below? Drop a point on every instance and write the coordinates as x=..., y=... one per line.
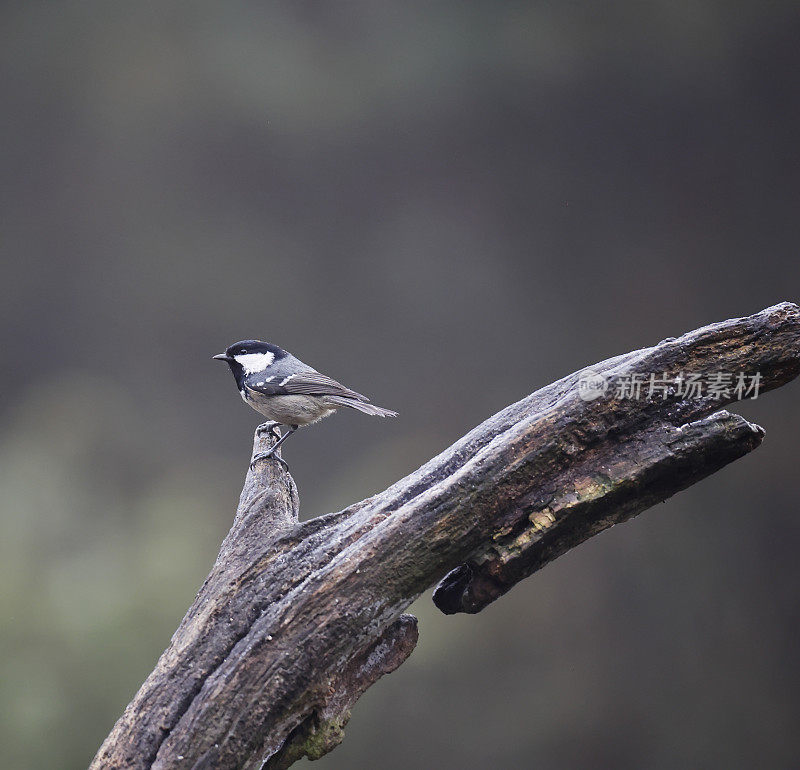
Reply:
x=265, y=456
x=268, y=427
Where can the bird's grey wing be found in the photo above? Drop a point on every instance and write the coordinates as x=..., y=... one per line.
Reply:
x=265, y=387
x=313, y=383
x=305, y=383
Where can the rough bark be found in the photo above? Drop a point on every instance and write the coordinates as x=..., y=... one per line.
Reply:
x=297, y=619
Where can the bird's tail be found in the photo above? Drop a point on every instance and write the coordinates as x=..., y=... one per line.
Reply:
x=362, y=406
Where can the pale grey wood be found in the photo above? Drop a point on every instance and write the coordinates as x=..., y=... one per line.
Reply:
x=296, y=620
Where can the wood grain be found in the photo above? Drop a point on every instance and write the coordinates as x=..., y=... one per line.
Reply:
x=297, y=619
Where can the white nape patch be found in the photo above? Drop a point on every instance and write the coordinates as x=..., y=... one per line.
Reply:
x=254, y=362
x=286, y=379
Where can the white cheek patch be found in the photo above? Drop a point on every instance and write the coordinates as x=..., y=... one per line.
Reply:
x=254, y=362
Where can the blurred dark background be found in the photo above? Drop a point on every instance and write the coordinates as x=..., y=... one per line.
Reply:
x=445, y=206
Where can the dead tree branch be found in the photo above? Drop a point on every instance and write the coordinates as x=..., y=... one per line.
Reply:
x=298, y=619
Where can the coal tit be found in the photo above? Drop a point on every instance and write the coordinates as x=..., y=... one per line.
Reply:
x=287, y=391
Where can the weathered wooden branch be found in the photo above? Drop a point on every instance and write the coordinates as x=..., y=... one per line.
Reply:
x=297, y=619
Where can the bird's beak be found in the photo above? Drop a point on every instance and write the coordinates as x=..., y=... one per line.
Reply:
x=221, y=357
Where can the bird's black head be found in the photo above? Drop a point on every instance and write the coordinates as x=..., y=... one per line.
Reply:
x=250, y=356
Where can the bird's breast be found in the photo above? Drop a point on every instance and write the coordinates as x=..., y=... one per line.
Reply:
x=289, y=410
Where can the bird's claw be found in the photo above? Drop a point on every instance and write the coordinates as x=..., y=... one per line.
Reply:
x=265, y=456
x=268, y=427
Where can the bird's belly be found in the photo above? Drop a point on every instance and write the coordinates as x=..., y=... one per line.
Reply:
x=290, y=410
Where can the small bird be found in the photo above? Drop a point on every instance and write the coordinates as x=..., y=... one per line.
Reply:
x=287, y=391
